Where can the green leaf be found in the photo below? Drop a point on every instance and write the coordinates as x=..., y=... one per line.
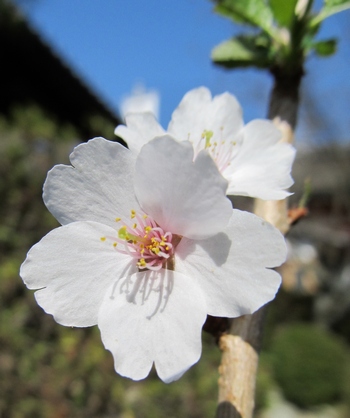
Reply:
x=332, y=3
x=330, y=8
x=283, y=11
x=325, y=48
x=243, y=51
x=253, y=12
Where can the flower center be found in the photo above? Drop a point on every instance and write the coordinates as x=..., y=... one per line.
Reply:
x=144, y=241
x=221, y=151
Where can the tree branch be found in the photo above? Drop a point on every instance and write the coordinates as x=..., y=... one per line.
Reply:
x=241, y=344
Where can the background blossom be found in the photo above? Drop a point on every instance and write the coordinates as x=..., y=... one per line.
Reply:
x=249, y=156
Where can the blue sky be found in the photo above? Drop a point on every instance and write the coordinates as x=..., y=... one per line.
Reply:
x=165, y=44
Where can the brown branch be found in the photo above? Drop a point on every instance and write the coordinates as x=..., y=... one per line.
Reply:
x=295, y=214
x=239, y=364
x=241, y=344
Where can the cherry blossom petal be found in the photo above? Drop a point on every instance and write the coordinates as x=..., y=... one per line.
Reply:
x=97, y=187
x=153, y=317
x=250, y=157
x=263, y=165
x=184, y=197
x=73, y=268
x=233, y=268
x=198, y=112
x=140, y=128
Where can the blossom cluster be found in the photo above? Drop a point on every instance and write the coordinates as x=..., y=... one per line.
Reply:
x=149, y=243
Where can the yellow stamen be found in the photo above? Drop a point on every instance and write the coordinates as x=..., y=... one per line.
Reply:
x=142, y=262
x=133, y=214
x=148, y=229
x=124, y=234
x=103, y=239
x=207, y=135
x=118, y=219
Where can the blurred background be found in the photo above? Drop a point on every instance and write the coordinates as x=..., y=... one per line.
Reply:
x=69, y=70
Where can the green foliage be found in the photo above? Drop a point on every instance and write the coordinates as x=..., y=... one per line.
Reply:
x=252, y=12
x=101, y=127
x=288, y=32
x=28, y=149
x=333, y=3
x=309, y=365
x=283, y=11
x=325, y=48
x=330, y=8
x=243, y=51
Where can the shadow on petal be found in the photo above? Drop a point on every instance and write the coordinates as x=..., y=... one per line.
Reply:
x=154, y=317
x=152, y=288
x=217, y=247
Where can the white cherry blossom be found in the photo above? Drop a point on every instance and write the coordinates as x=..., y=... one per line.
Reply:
x=251, y=157
x=149, y=245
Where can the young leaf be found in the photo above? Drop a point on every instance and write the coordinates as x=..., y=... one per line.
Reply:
x=325, y=48
x=330, y=8
x=242, y=51
x=283, y=11
x=332, y=3
x=253, y=12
